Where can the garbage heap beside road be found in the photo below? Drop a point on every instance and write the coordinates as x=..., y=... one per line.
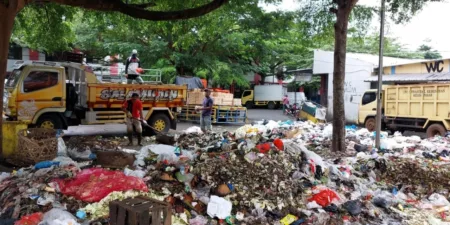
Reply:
x=265, y=173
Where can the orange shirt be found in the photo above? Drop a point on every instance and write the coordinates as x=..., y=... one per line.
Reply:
x=136, y=108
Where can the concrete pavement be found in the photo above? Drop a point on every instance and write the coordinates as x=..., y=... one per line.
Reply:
x=120, y=129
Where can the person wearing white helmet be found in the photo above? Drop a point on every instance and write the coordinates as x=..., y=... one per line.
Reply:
x=133, y=63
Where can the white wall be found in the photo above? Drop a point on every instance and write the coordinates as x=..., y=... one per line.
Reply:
x=356, y=72
x=25, y=57
x=296, y=97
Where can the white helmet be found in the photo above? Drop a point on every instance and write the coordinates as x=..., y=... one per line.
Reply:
x=134, y=51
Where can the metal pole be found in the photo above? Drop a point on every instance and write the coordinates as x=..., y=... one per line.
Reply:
x=380, y=77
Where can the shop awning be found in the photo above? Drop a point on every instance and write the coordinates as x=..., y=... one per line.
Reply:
x=412, y=77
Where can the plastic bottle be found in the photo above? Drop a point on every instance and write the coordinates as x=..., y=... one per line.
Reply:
x=45, y=164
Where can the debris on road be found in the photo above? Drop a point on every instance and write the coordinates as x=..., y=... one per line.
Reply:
x=265, y=173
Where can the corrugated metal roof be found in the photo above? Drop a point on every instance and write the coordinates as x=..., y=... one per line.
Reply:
x=412, y=77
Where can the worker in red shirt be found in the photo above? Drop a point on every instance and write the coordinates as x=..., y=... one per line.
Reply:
x=133, y=109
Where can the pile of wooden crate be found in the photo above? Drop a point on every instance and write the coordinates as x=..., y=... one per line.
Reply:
x=222, y=98
x=196, y=96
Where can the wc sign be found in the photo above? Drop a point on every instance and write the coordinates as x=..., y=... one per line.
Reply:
x=436, y=66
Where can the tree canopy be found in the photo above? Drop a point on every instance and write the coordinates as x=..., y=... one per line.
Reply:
x=223, y=46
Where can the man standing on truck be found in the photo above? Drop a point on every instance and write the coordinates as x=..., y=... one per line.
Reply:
x=131, y=66
x=133, y=109
x=205, y=117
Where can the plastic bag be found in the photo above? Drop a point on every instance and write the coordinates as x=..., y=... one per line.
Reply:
x=92, y=185
x=58, y=217
x=438, y=200
x=65, y=161
x=75, y=154
x=62, y=149
x=134, y=173
x=199, y=220
x=279, y=144
x=264, y=148
x=353, y=207
x=310, y=155
x=32, y=219
x=219, y=207
x=324, y=197
x=4, y=175
x=193, y=130
x=328, y=131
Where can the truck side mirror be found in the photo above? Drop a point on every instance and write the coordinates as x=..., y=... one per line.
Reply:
x=351, y=98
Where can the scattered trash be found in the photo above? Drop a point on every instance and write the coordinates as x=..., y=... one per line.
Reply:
x=265, y=173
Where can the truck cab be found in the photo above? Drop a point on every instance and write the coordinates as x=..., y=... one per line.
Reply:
x=247, y=99
x=368, y=109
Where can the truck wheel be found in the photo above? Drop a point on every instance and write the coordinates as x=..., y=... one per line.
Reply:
x=271, y=105
x=50, y=122
x=160, y=121
x=436, y=129
x=370, y=124
x=249, y=105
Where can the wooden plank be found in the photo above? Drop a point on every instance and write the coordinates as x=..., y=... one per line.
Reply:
x=113, y=210
x=121, y=216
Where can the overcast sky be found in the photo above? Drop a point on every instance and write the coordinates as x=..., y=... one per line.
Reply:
x=428, y=24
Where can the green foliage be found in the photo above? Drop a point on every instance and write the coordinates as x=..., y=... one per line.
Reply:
x=222, y=46
x=45, y=27
x=428, y=51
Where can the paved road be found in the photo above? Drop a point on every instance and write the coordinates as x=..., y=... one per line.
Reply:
x=119, y=129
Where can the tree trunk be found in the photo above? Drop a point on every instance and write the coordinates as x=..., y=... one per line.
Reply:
x=7, y=14
x=340, y=50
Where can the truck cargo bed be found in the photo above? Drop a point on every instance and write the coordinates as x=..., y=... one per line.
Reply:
x=431, y=101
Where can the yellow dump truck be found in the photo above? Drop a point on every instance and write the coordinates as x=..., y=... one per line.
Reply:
x=417, y=107
x=58, y=95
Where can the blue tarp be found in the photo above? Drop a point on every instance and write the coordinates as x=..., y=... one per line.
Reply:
x=192, y=82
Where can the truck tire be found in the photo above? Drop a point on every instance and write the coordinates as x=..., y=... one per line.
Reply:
x=271, y=105
x=370, y=124
x=50, y=121
x=249, y=105
x=159, y=121
x=436, y=129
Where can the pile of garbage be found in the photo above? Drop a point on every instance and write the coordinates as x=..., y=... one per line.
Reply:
x=264, y=173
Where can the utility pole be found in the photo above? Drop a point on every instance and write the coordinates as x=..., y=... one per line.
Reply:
x=380, y=76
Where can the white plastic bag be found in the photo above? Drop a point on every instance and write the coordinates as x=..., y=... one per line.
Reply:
x=157, y=149
x=193, y=130
x=58, y=216
x=3, y=176
x=65, y=161
x=134, y=173
x=328, y=131
x=219, y=207
x=438, y=200
x=75, y=154
x=62, y=149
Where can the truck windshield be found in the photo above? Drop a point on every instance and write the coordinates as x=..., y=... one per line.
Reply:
x=13, y=79
x=369, y=97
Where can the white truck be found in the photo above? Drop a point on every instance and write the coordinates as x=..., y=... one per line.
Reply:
x=269, y=96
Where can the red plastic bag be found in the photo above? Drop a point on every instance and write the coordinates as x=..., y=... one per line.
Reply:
x=92, y=185
x=324, y=198
x=32, y=219
x=263, y=148
x=279, y=144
